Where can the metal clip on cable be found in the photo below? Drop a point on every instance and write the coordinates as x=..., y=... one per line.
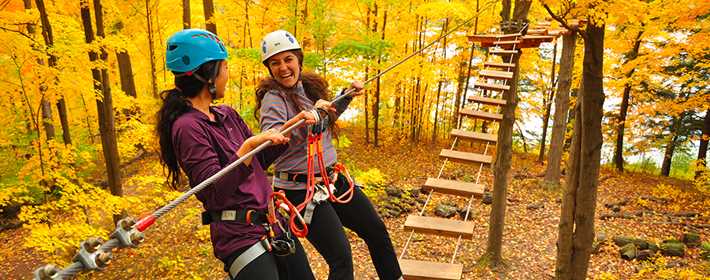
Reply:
x=90, y=256
x=47, y=272
x=126, y=234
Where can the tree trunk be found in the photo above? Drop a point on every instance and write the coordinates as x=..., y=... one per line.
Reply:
x=703, y=149
x=186, y=22
x=436, y=112
x=48, y=36
x=559, y=126
x=468, y=79
x=376, y=105
x=623, y=109
x=151, y=48
x=46, y=110
x=579, y=203
x=126, y=73
x=565, y=236
x=505, y=11
x=103, y=106
x=209, y=16
x=548, y=107
x=504, y=149
x=668, y=155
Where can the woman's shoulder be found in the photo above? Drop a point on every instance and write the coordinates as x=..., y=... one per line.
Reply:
x=227, y=110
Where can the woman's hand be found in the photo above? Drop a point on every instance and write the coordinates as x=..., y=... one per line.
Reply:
x=356, y=88
x=274, y=135
x=325, y=105
x=307, y=116
x=252, y=142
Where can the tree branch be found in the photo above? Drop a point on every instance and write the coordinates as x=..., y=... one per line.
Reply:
x=563, y=22
x=18, y=32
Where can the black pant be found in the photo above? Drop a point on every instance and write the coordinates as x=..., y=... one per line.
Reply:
x=271, y=267
x=328, y=237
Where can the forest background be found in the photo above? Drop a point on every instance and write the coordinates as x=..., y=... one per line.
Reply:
x=81, y=83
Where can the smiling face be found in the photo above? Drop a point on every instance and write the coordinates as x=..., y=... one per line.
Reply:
x=285, y=68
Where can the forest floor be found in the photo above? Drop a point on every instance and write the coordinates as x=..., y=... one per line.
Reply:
x=648, y=206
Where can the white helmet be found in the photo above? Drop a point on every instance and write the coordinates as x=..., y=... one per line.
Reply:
x=276, y=42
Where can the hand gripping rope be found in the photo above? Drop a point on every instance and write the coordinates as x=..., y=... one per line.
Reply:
x=95, y=255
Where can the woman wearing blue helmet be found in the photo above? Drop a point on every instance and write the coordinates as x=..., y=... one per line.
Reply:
x=202, y=139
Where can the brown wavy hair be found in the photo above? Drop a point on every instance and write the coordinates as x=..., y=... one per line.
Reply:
x=313, y=84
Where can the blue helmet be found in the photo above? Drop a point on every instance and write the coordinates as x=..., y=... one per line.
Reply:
x=190, y=48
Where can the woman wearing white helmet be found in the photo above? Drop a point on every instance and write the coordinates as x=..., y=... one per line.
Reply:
x=288, y=91
x=202, y=139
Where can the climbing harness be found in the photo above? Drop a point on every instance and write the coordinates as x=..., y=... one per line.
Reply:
x=94, y=254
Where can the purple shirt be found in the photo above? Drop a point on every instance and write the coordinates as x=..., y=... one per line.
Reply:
x=203, y=147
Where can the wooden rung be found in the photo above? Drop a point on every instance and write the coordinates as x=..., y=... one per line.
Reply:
x=465, y=189
x=540, y=31
x=503, y=52
x=496, y=74
x=543, y=23
x=499, y=65
x=510, y=42
x=425, y=270
x=439, y=226
x=508, y=35
x=478, y=136
x=481, y=115
x=465, y=157
x=486, y=100
x=487, y=86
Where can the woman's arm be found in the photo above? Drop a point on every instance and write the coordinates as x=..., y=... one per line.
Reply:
x=200, y=161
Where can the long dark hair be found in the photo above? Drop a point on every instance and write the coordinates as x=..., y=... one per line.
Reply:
x=313, y=84
x=176, y=103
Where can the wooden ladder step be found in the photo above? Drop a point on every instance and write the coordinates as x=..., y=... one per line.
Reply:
x=470, y=135
x=465, y=189
x=498, y=36
x=439, y=226
x=507, y=42
x=481, y=115
x=496, y=74
x=503, y=52
x=537, y=32
x=425, y=270
x=488, y=86
x=465, y=157
x=486, y=100
x=499, y=65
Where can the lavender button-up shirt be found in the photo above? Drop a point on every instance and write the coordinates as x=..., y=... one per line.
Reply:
x=203, y=147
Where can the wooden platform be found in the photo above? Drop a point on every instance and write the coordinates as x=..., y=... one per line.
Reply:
x=509, y=42
x=465, y=157
x=426, y=270
x=439, y=226
x=459, y=188
x=486, y=100
x=527, y=41
x=481, y=115
x=477, y=136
